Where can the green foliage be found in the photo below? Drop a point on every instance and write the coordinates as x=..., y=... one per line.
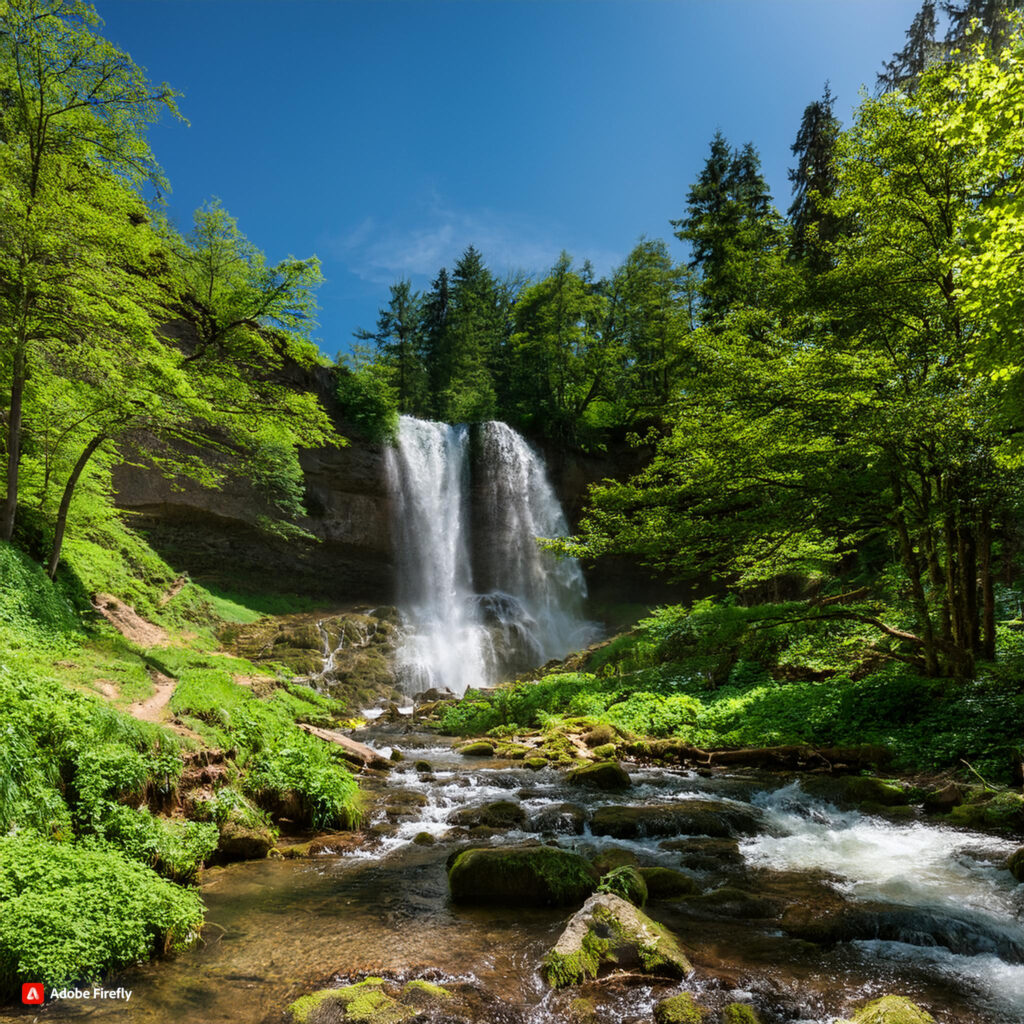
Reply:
x=33, y=612
x=70, y=913
x=278, y=756
x=367, y=400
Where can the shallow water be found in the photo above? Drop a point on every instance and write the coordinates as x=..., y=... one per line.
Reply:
x=279, y=928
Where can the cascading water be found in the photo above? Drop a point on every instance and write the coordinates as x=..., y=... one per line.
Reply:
x=526, y=606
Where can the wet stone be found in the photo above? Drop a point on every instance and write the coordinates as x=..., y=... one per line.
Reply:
x=565, y=819
x=690, y=817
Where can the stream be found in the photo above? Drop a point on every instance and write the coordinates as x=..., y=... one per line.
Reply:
x=924, y=910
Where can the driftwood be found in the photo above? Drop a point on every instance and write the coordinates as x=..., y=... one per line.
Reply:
x=799, y=756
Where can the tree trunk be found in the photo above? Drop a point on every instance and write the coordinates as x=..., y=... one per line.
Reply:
x=18, y=377
x=988, y=598
x=65, y=501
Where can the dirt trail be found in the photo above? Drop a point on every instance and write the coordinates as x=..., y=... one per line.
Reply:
x=128, y=622
x=152, y=708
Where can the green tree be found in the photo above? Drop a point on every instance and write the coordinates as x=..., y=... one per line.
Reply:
x=921, y=49
x=400, y=348
x=559, y=364
x=74, y=111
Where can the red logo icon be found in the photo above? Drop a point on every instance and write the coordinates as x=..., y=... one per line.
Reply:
x=32, y=993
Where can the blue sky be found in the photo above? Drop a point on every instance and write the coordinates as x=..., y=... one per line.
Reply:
x=387, y=136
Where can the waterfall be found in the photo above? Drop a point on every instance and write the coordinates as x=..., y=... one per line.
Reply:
x=479, y=598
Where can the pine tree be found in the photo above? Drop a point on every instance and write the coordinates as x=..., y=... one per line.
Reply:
x=921, y=49
x=399, y=347
x=435, y=340
x=814, y=182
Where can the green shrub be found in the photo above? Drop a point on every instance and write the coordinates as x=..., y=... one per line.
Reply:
x=72, y=914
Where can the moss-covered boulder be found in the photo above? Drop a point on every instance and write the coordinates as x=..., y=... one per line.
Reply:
x=529, y=876
x=480, y=748
x=363, y=1003
x=1015, y=865
x=739, y=1013
x=563, y=819
x=730, y=901
x=605, y=752
x=717, y=819
x=535, y=764
x=853, y=790
x=680, y=1009
x=582, y=1011
x=1004, y=811
x=604, y=775
x=943, y=799
x=607, y=929
x=238, y=842
x=424, y=839
x=703, y=854
x=600, y=735
x=423, y=767
x=424, y=994
x=627, y=882
x=892, y=1010
x=613, y=857
x=666, y=884
x=498, y=814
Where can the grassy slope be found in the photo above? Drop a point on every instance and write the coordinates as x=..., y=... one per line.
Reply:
x=88, y=806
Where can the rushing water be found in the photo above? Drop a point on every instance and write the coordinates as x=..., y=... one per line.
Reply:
x=480, y=598
x=929, y=911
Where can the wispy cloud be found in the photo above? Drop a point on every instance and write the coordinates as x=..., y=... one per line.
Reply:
x=418, y=243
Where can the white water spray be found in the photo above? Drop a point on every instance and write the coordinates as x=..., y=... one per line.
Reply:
x=473, y=620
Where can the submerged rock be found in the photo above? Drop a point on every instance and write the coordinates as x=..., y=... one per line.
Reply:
x=690, y=817
x=706, y=854
x=680, y=1009
x=365, y=1002
x=607, y=929
x=891, y=1010
x=529, y=876
x=606, y=775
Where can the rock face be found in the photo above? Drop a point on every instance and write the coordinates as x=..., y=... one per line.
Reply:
x=607, y=929
x=526, y=876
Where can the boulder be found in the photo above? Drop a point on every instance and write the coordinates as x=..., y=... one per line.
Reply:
x=528, y=876
x=606, y=775
x=607, y=929
x=536, y=763
x=944, y=799
x=365, y=1002
x=854, y=790
x=706, y=854
x=891, y=1010
x=241, y=842
x=613, y=857
x=680, y=1009
x=739, y=1013
x=481, y=748
x=605, y=752
x=689, y=817
x=1015, y=864
x=499, y=814
x=424, y=839
x=600, y=735
x=627, y=882
x=1003, y=811
x=665, y=884
x=564, y=819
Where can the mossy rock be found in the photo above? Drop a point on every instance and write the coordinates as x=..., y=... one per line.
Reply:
x=665, y=884
x=498, y=814
x=1015, y=865
x=1003, y=811
x=424, y=839
x=481, y=748
x=614, y=857
x=739, y=1013
x=892, y=1010
x=606, y=751
x=238, y=842
x=943, y=799
x=423, y=767
x=536, y=763
x=365, y=1002
x=604, y=775
x=532, y=876
x=627, y=882
x=728, y=901
x=680, y=1009
x=423, y=994
x=608, y=929
x=601, y=735
x=854, y=790
x=713, y=818
x=565, y=819
x=700, y=854
x=582, y=1011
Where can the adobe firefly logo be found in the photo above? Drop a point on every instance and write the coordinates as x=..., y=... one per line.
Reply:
x=32, y=993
